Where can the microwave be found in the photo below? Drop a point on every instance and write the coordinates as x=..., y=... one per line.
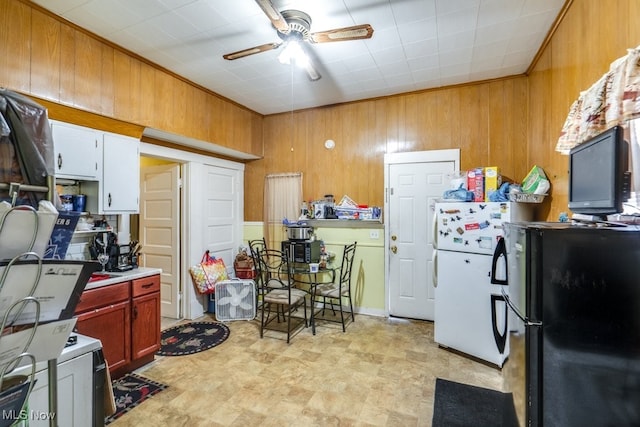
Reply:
x=302, y=251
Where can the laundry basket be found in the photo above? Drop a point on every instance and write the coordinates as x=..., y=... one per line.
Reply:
x=235, y=299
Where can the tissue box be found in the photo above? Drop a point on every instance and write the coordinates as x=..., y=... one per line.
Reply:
x=533, y=179
x=475, y=184
x=492, y=180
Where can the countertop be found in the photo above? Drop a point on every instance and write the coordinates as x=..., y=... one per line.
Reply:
x=136, y=273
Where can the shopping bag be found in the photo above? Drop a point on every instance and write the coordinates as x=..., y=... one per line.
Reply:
x=207, y=273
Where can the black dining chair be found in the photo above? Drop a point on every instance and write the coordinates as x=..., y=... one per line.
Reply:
x=279, y=294
x=255, y=246
x=335, y=292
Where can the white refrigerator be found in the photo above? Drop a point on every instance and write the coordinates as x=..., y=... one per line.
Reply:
x=471, y=315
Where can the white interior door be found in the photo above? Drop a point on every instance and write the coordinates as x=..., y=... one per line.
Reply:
x=413, y=181
x=160, y=231
x=215, y=221
x=220, y=213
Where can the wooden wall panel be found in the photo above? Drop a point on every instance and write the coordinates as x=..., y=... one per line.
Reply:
x=15, y=60
x=161, y=106
x=107, y=82
x=45, y=57
x=179, y=102
x=146, y=101
x=126, y=87
x=67, y=65
x=87, y=72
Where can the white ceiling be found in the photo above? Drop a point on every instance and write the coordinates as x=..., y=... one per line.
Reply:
x=416, y=44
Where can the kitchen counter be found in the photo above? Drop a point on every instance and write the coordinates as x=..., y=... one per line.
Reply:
x=118, y=277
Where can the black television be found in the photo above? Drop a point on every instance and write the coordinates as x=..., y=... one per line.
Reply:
x=599, y=179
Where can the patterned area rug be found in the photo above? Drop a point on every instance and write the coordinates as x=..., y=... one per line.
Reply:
x=192, y=338
x=130, y=391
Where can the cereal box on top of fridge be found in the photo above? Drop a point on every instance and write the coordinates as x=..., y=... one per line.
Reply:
x=492, y=180
x=475, y=184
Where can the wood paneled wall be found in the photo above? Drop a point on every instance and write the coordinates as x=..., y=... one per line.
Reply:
x=486, y=121
x=591, y=36
x=64, y=66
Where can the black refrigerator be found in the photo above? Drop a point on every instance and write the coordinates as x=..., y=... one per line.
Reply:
x=575, y=342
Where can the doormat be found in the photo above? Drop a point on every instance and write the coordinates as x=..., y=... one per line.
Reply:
x=130, y=391
x=463, y=405
x=192, y=338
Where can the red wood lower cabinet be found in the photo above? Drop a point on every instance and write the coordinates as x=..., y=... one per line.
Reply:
x=125, y=317
x=145, y=319
x=110, y=325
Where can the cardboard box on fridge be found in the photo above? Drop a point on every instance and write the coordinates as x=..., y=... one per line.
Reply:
x=492, y=180
x=475, y=184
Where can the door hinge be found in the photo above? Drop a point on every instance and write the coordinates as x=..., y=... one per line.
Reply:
x=179, y=182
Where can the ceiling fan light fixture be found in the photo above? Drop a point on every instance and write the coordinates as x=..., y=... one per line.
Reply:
x=293, y=52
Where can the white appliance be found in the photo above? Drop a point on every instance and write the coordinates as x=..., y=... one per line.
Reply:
x=80, y=392
x=470, y=311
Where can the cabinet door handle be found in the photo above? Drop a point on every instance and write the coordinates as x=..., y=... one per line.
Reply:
x=59, y=160
x=109, y=200
x=135, y=312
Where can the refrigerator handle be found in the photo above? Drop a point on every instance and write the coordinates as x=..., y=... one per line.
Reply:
x=513, y=308
x=499, y=336
x=500, y=251
x=434, y=268
x=434, y=228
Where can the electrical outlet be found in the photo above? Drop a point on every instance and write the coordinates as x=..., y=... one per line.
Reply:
x=374, y=234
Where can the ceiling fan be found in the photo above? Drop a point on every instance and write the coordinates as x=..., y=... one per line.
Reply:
x=293, y=28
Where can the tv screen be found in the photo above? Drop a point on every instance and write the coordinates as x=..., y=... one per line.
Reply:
x=598, y=176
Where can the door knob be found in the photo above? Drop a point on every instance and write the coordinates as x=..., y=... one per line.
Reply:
x=394, y=249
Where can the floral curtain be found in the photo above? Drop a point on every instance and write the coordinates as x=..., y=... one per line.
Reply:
x=612, y=100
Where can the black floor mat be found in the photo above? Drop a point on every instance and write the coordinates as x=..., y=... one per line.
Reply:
x=463, y=405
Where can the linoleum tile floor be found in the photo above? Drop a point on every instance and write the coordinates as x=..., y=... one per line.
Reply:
x=381, y=372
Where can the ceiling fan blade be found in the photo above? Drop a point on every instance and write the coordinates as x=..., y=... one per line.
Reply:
x=357, y=32
x=251, y=51
x=272, y=13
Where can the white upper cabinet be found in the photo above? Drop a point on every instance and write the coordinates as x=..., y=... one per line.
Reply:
x=78, y=151
x=120, y=187
x=105, y=162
